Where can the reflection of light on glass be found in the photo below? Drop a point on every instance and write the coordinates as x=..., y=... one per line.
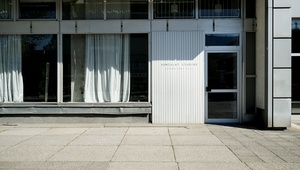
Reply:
x=174, y=8
x=295, y=24
x=218, y=8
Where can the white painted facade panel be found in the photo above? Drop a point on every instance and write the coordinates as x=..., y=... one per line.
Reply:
x=282, y=57
x=295, y=8
x=281, y=108
x=282, y=83
x=282, y=23
x=177, y=77
x=282, y=3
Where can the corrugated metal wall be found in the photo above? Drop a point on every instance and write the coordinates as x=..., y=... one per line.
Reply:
x=177, y=77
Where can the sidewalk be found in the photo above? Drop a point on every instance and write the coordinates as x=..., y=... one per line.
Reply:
x=147, y=147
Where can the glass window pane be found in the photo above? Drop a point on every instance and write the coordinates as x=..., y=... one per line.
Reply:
x=222, y=105
x=295, y=79
x=28, y=65
x=115, y=9
x=38, y=9
x=91, y=74
x=5, y=9
x=174, y=9
x=127, y=9
x=222, y=70
x=250, y=9
x=219, y=9
x=296, y=36
x=81, y=10
x=39, y=68
x=222, y=40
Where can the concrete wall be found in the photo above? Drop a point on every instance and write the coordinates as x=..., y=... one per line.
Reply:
x=260, y=55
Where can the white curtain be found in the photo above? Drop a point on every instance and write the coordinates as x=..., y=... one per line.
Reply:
x=5, y=9
x=107, y=76
x=11, y=80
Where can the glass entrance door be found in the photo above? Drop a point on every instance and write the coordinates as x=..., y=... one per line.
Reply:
x=222, y=92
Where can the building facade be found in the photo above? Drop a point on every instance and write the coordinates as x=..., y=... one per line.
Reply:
x=169, y=61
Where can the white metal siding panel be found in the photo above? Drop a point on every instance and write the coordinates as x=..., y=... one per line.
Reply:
x=295, y=8
x=177, y=77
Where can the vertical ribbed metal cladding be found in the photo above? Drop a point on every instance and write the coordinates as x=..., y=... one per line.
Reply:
x=178, y=79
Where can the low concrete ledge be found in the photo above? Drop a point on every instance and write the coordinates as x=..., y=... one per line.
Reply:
x=80, y=109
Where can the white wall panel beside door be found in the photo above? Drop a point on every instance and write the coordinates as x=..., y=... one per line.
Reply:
x=177, y=77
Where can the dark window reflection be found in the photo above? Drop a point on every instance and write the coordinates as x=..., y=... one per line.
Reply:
x=219, y=9
x=174, y=9
x=39, y=68
x=5, y=9
x=296, y=36
x=222, y=105
x=222, y=70
x=37, y=10
x=115, y=9
x=222, y=40
x=295, y=79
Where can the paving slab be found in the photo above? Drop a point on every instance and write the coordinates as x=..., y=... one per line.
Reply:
x=147, y=131
x=64, y=131
x=43, y=165
x=106, y=131
x=146, y=140
x=213, y=166
x=193, y=140
x=111, y=147
x=50, y=140
x=274, y=166
x=23, y=131
x=29, y=153
x=144, y=153
x=249, y=158
x=98, y=140
x=10, y=140
x=4, y=147
x=204, y=154
x=96, y=165
x=143, y=166
x=188, y=131
x=85, y=153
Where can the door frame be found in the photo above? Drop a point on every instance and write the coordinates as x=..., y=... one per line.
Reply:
x=238, y=91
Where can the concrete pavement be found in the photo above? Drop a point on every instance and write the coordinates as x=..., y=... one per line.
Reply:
x=147, y=146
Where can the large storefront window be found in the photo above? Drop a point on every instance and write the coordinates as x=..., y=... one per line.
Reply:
x=109, y=9
x=295, y=59
x=28, y=65
x=105, y=68
x=5, y=9
x=181, y=9
x=39, y=9
x=219, y=9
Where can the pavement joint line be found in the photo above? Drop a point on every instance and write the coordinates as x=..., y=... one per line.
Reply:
x=64, y=146
x=172, y=145
x=111, y=160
